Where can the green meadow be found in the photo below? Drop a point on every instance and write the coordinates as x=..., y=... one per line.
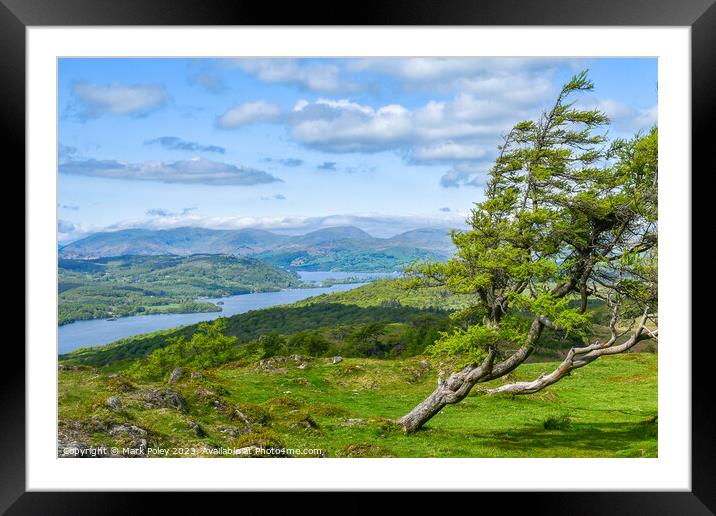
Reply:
x=608, y=409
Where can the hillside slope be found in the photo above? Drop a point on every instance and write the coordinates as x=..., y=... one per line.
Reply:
x=131, y=285
x=607, y=409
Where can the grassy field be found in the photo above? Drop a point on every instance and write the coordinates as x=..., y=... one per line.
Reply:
x=607, y=409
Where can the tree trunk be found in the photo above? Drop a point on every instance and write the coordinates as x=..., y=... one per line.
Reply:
x=452, y=390
x=459, y=385
x=425, y=410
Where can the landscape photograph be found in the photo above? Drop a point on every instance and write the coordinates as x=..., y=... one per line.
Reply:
x=405, y=257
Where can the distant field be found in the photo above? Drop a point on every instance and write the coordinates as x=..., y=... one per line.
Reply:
x=608, y=409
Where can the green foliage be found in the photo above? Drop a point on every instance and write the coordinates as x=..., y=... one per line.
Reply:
x=270, y=345
x=558, y=310
x=208, y=347
x=334, y=316
x=393, y=293
x=133, y=285
x=470, y=345
x=309, y=343
x=347, y=259
x=566, y=217
x=563, y=422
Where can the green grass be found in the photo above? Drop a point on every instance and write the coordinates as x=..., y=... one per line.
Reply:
x=607, y=409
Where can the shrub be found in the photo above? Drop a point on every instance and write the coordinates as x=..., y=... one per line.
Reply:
x=208, y=347
x=563, y=422
x=364, y=450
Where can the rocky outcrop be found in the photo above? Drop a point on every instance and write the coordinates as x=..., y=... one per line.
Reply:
x=198, y=430
x=233, y=431
x=73, y=449
x=133, y=437
x=176, y=375
x=273, y=364
x=164, y=399
x=114, y=403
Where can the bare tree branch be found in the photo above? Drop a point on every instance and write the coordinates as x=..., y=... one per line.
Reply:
x=579, y=357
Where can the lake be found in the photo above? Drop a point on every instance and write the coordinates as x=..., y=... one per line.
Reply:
x=98, y=332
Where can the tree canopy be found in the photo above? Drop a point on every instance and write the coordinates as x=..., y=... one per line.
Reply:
x=567, y=217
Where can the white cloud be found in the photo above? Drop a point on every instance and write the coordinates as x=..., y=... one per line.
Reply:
x=623, y=116
x=478, y=101
x=448, y=151
x=376, y=224
x=249, y=113
x=176, y=143
x=464, y=174
x=460, y=73
x=194, y=171
x=646, y=118
x=210, y=82
x=95, y=100
x=346, y=126
x=68, y=230
x=311, y=76
x=158, y=212
x=300, y=104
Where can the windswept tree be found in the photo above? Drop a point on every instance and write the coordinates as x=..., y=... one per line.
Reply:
x=568, y=226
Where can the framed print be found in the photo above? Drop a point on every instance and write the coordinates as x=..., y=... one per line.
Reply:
x=413, y=250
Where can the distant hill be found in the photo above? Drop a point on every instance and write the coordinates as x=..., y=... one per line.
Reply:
x=425, y=238
x=179, y=241
x=343, y=248
x=133, y=285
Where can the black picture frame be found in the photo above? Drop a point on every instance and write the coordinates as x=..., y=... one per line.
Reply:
x=700, y=15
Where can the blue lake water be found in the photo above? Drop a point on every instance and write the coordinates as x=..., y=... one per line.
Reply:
x=99, y=332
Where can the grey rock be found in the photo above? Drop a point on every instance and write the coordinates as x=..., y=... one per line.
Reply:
x=114, y=403
x=135, y=436
x=165, y=399
x=126, y=428
x=69, y=367
x=337, y=360
x=176, y=375
x=198, y=430
x=234, y=431
x=72, y=449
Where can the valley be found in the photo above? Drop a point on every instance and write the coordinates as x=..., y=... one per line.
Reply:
x=121, y=286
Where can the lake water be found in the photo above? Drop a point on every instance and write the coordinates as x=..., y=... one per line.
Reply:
x=98, y=332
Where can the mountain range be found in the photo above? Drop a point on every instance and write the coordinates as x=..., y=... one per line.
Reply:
x=344, y=248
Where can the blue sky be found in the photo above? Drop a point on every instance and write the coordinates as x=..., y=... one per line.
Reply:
x=292, y=145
